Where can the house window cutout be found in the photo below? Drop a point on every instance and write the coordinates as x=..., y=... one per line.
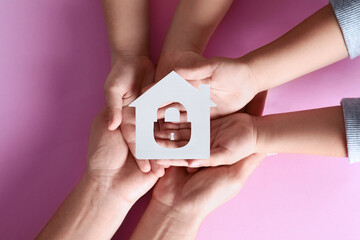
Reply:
x=197, y=103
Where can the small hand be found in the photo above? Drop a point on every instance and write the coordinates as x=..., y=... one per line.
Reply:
x=232, y=84
x=111, y=164
x=232, y=138
x=170, y=60
x=128, y=75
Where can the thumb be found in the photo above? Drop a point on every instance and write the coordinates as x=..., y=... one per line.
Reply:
x=218, y=156
x=114, y=104
x=199, y=70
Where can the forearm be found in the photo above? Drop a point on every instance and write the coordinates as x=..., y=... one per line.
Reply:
x=193, y=24
x=318, y=132
x=311, y=45
x=163, y=222
x=91, y=211
x=127, y=23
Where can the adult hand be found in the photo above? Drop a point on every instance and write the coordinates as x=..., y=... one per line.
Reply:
x=111, y=185
x=128, y=130
x=111, y=164
x=182, y=199
x=128, y=75
x=206, y=189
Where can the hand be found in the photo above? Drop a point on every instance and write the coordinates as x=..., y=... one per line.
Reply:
x=170, y=60
x=232, y=84
x=232, y=138
x=128, y=75
x=111, y=164
x=182, y=199
x=194, y=195
x=111, y=185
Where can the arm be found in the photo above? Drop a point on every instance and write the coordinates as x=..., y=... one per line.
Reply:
x=318, y=132
x=192, y=26
x=311, y=45
x=163, y=222
x=127, y=24
x=91, y=211
x=111, y=185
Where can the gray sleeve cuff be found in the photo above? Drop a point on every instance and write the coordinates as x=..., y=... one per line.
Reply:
x=351, y=108
x=348, y=15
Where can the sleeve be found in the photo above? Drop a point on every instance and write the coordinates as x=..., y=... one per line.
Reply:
x=348, y=15
x=351, y=108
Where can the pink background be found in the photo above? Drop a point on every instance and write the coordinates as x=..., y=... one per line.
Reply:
x=53, y=61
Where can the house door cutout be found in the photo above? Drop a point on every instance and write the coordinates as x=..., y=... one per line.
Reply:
x=173, y=117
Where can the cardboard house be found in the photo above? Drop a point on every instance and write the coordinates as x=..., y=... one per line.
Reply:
x=173, y=88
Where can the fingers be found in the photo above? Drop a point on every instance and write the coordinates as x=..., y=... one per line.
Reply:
x=172, y=162
x=157, y=169
x=114, y=115
x=170, y=144
x=198, y=71
x=169, y=125
x=218, y=156
x=176, y=134
x=144, y=165
x=114, y=102
x=246, y=166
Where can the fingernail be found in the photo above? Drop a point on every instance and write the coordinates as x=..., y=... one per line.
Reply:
x=271, y=154
x=195, y=164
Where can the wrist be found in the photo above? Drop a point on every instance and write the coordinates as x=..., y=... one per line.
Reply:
x=104, y=192
x=161, y=221
x=261, y=132
x=250, y=73
x=177, y=215
x=174, y=54
x=125, y=56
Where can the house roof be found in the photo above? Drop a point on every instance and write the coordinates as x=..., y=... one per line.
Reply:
x=172, y=82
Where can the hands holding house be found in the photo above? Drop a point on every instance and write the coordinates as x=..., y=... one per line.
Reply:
x=240, y=137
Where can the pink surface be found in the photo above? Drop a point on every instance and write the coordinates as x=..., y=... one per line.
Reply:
x=53, y=61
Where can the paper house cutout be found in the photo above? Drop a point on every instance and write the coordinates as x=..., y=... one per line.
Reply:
x=173, y=88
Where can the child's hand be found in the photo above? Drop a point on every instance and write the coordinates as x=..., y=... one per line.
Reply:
x=171, y=60
x=232, y=83
x=233, y=137
x=128, y=75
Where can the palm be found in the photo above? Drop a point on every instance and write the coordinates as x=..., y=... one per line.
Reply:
x=232, y=84
x=229, y=91
x=109, y=161
x=204, y=190
x=128, y=75
x=232, y=138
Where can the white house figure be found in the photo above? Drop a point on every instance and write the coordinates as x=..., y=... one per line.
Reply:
x=173, y=88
